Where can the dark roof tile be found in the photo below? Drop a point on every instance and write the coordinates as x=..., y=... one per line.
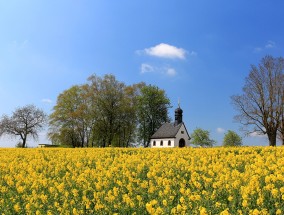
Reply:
x=167, y=130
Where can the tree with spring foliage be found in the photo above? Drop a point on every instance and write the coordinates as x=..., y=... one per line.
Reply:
x=231, y=138
x=260, y=106
x=201, y=137
x=109, y=96
x=71, y=122
x=128, y=117
x=101, y=113
x=153, y=105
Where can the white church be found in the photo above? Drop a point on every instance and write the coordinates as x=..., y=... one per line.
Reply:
x=171, y=134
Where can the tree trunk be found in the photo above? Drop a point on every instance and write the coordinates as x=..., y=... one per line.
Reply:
x=82, y=142
x=272, y=138
x=104, y=143
x=148, y=143
x=24, y=142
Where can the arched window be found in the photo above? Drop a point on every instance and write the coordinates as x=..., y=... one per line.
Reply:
x=169, y=143
x=154, y=143
x=162, y=143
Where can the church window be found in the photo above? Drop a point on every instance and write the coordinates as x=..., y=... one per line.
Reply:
x=169, y=143
x=162, y=143
x=154, y=143
x=182, y=132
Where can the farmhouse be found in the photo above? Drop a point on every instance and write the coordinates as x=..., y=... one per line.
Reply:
x=171, y=134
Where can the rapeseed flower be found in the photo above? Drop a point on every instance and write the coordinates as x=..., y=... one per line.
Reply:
x=247, y=180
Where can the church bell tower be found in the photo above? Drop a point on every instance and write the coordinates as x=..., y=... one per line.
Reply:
x=178, y=115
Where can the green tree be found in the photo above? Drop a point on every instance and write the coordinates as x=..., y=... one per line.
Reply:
x=128, y=117
x=100, y=113
x=152, y=107
x=261, y=105
x=106, y=112
x=71, y=122
x=231, y=138
x=201, y=137
x=25, y=121
x=109, y=96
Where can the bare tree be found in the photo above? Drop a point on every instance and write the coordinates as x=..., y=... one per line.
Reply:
x=27, y=120
x=281, y=132
x=260, y=106
x=281, y=126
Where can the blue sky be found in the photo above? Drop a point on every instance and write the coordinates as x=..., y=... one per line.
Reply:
x=198, y=51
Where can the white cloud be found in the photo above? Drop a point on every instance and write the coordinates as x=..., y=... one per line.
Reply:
x=48, y=101
x=256, y=134
x=171, y=72
x=220, y=130
x=146, y=68
x=166, y=51
x=270, y=44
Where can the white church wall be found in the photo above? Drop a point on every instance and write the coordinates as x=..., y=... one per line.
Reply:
x=182, y=134
x=165, y=143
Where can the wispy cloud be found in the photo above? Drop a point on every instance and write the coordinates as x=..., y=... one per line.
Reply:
x=48, y=101
x=165, y=51
x=220, y=130
x=269, y=45
x=146, y=68
x=166, y=70
x=256, y=134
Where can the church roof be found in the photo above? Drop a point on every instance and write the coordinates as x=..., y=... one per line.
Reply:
x=167, y=130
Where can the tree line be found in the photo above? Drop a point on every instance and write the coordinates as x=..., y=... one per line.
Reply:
x=102, y=112
x=106, y=112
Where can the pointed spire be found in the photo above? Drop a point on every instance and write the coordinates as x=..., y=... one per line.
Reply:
x=178, y=102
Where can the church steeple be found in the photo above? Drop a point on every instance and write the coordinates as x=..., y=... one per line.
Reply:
x=178, y=115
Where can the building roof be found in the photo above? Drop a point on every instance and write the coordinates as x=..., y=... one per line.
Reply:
x=167, y=130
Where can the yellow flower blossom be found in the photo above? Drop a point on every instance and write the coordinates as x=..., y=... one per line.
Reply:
x=132, y=181
x=202, y=211
x=245, y=203
x=225, y=212
x=17, y=207
x=230, y=198
x=256, y=212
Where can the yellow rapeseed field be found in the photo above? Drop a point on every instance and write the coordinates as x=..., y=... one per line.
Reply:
x=246, y=180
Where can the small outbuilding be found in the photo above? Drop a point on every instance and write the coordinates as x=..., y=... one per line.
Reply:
x=41, y=145
x=171, y=134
